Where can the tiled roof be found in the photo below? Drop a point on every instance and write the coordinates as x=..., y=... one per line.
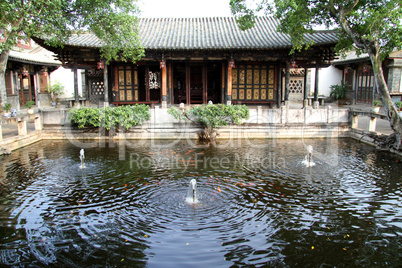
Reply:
x=38, y=55
x=209, y=33
x=351, y=56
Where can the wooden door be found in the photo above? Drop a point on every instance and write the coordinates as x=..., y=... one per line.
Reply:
x=126, y=84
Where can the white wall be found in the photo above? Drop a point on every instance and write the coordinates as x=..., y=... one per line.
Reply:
x=66, y=77
x=327, y=77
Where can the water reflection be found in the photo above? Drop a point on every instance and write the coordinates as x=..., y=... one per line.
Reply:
x=258, y=205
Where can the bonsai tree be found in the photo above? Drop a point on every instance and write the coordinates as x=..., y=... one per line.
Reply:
x=55, y=90
x=209, y=117
x=29, y=104
x=7, y=107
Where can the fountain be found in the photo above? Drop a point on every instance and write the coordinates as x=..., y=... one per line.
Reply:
x=192, y=192
x=82, y=158
x=308, y=161
x=276, y=212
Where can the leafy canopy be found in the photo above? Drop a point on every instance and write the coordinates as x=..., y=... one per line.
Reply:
x=112, y=21
x=362, y=24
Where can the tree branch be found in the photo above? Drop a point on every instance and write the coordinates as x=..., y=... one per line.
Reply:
x=347, y=12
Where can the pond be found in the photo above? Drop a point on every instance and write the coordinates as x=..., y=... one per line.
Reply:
x=258, y=204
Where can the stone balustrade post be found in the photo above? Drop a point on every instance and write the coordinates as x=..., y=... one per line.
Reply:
x=372, y=125
x=22, y=127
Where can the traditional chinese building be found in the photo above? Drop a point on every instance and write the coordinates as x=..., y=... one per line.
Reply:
x=197, y=60
x=359, y=76
x=27, y=74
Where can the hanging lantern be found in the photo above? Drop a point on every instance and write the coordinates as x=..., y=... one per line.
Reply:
x=101, y=65
x=162, y=64
x=232, y=64
x=365, y=69
x=346, y=71
x=24, y=71
x=45, y=74
x=293, y=64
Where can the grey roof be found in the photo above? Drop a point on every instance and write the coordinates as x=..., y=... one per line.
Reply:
x=38, y=55
x=351, y=56
x=209, y=33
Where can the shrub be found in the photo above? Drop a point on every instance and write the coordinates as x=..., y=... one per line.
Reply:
x=210, y=117
x=124, y=116
x=7, y=107
x=376, y=103
x=338, y=92
x=29, y=104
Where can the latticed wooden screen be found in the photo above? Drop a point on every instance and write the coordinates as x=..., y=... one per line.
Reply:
x=365, y=86
x=97, y=88
x=253, y=82
x=126, y=78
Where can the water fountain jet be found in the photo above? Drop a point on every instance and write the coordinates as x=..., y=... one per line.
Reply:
x=82, y=158
x=192, y=192
x=308, y=161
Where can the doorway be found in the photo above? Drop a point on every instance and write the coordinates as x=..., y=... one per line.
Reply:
x=197, y=82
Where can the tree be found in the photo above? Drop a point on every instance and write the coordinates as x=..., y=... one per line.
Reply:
x=112, y=21
x=369, y=26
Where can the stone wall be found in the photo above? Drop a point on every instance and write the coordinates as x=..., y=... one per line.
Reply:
x=263, y=123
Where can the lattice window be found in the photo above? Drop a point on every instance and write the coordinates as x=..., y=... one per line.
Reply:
x=296, y=86
x=154, y=80
x=97, y=88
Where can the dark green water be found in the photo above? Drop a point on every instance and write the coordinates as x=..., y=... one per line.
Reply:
x=259, y=205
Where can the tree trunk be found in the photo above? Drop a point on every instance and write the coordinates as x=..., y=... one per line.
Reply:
x=382, y=88
x=3, y=67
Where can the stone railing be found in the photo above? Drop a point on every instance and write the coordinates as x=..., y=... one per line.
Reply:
x=21, y=123
x=354, y=119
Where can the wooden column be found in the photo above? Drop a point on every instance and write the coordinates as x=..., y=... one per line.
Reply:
x=147, y=92
x=205, y=83
x=305, y=98
x=105, y=85
x=287, y=81
x=36, y=88
x=279, y=95
x=164, y=85
x=316, y=81
x=188, y=83
x=229, y=82
x=76, y=94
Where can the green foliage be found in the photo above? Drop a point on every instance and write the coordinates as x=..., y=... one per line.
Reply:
x=55, y=89
x=7, y=107
x=29, y=104
x=376, y=103
x=398, y=104
x=362, y=24
x=211, y=116
x=112, y=21
x=109, y=117
x=338, y=92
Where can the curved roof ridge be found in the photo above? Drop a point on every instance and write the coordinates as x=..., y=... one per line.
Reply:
x=209, y=33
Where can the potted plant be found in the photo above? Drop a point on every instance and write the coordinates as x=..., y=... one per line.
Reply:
x=376, y=106
x=55, y=90
x=7, y=110
x=29, y=105
x=398, y=105
x=339, y=92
